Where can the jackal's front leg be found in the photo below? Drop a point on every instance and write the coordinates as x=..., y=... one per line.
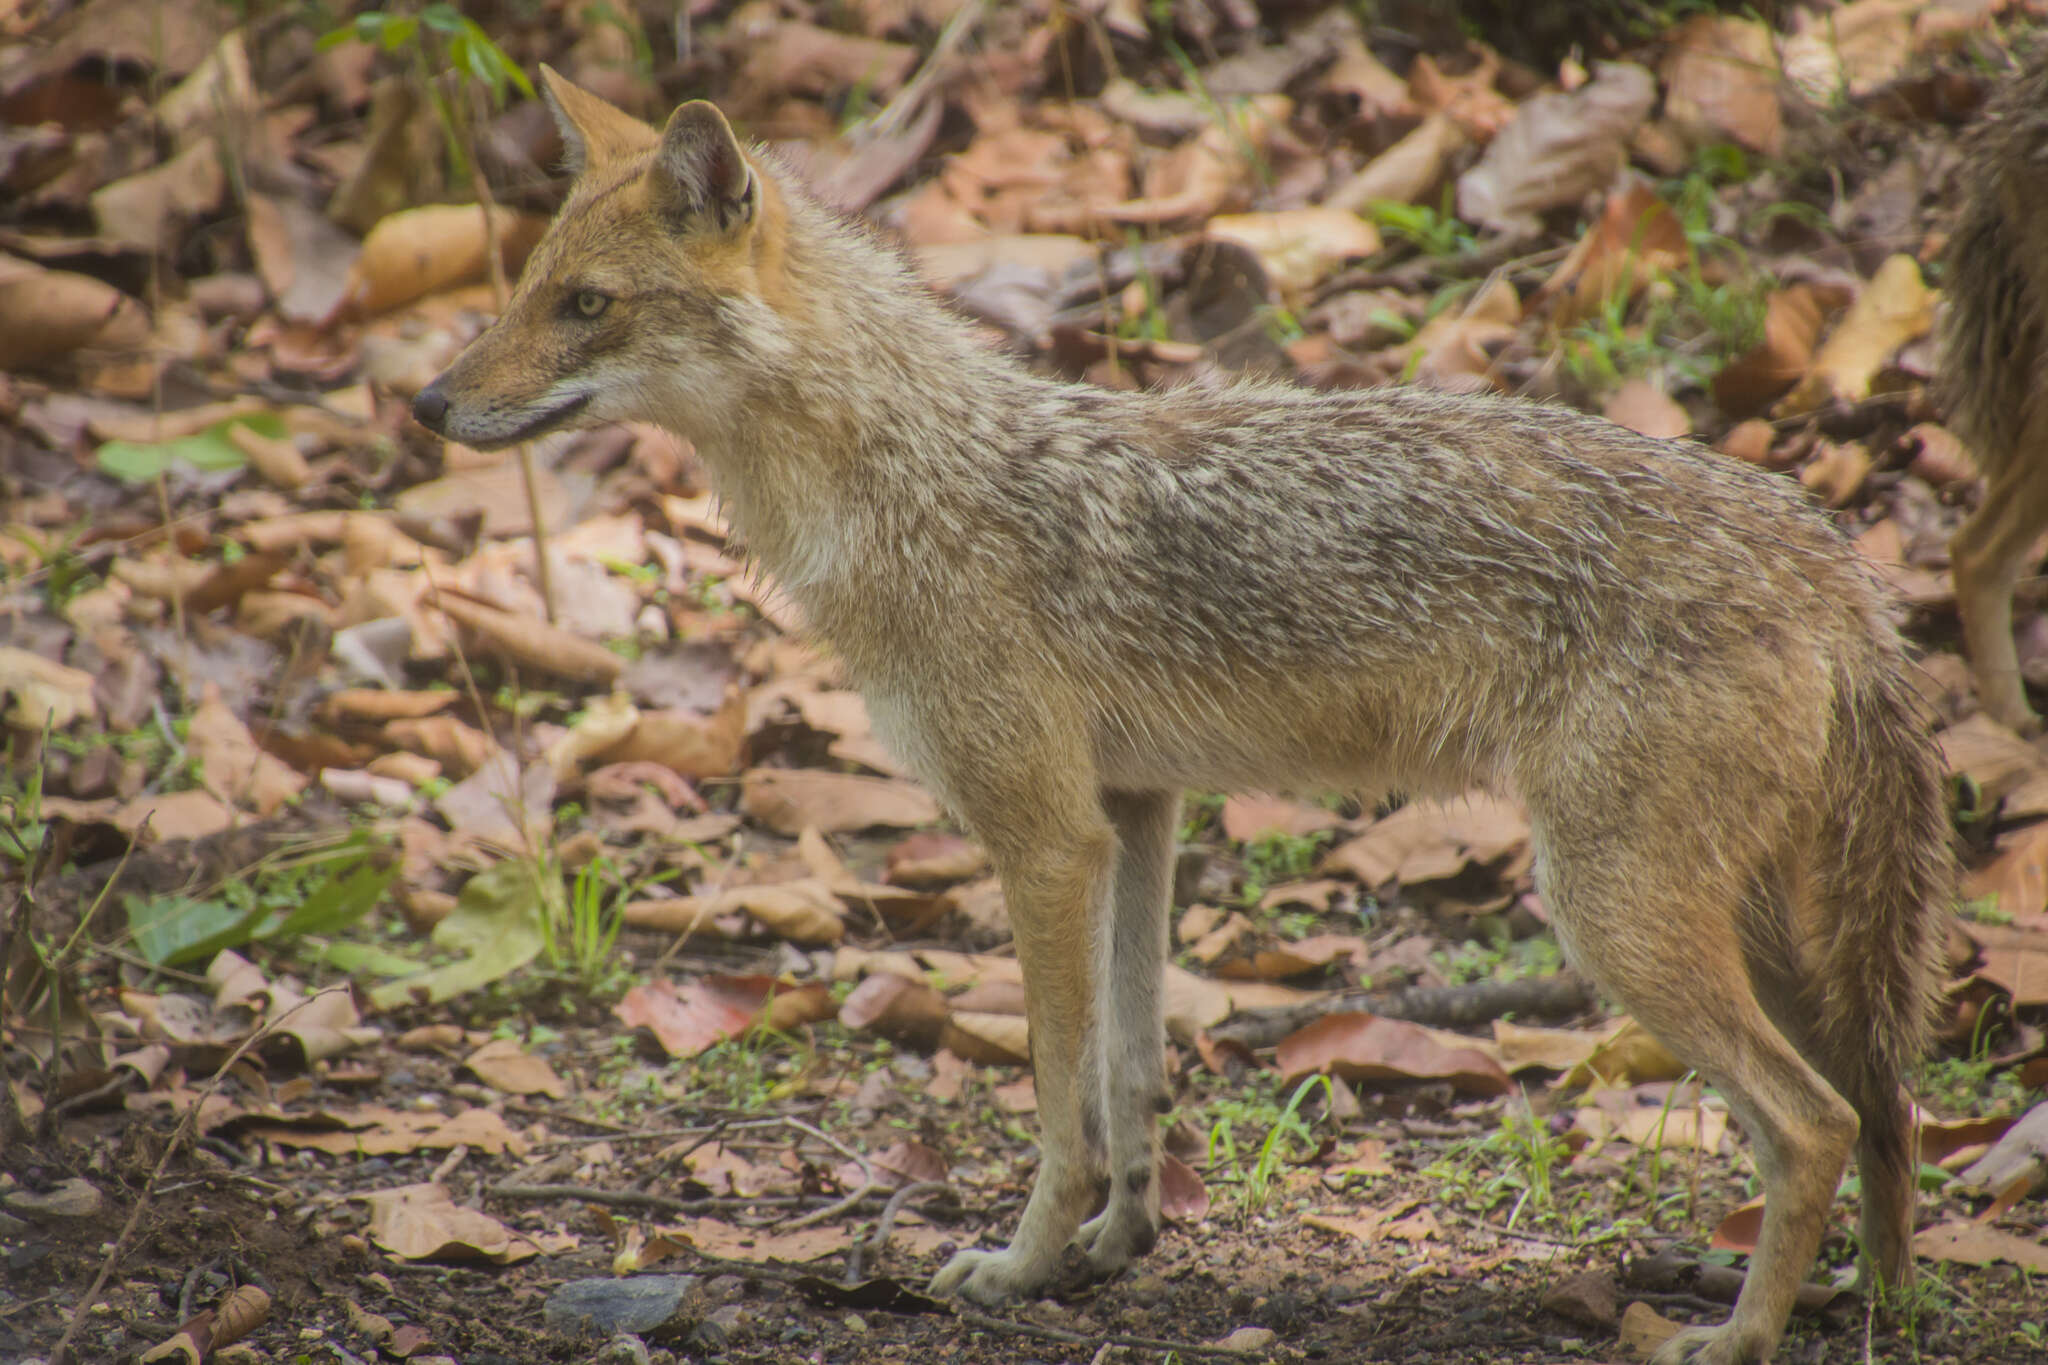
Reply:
x=1055, y=886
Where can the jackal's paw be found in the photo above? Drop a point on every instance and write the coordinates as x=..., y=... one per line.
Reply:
x=988, y=1278
x=1721, y=1345
x=1117, y=1236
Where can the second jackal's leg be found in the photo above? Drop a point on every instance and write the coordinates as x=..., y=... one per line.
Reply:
x=1128, y=1042
x=1687, y=984
x=1055, y=857
x=1988, y=555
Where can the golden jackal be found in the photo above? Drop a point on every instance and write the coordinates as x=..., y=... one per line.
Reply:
x=1065, y=605
x=1995, y=367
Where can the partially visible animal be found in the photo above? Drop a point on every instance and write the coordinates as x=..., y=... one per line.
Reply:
x=1994, y=367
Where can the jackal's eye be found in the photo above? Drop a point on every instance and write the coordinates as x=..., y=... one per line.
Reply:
x=588, y=303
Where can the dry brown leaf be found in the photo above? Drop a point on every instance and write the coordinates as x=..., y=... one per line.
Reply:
x=1636, y=239
x=178, y=815
x=535, y=643
x=1641, y=406
x=1523, y=1047
x=1751, y=441
x=1276, y=961
x=1407, y=1221
x=1792, y=321
x=1849, y=49
x=495, y=494
x=1939, y=456
x=1721, y=81
x=1194, y=1003
x=1643, y=1330
x=228, y=584
x=1967, y=1243
x=1559, y=148
x=1894, y=308
x=802, y=911
x=1434, y=840
x=423, y=1222
x=690, y=1018
x=790, y=800
x=687, y=742
x=1456, y=342
x=603, y=723
x=804, y=59
x=1651, y=1126
x=1470, y=96
x=42, y=692
x=990, y=1039
x=460, y=748
x=231, y=766
x=373, y=1130
x=151, y=210
x=1739, y=1230
x=376, y=704
x=504, y=1065
x=2018, y=877
x=755, y=1244
x=2015, y=958
x=1248, y=817
x=905, y=1011
x=934, y=858
x=501, y=803
x=438, y=246
x=52, y=313
x=1183, y=1198
x=1998, y=761
x=1297, y=247
x=1836, y=472
x=1406, y=172
x=1630, y=1055
x=1357, y=1046
x=277, y=461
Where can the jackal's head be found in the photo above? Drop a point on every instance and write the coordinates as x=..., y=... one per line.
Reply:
x=653, y=293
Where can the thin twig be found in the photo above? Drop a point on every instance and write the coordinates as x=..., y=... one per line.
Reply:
x=894, y=116
x=833, y=1210
x=495, y=262
x=886, y=1224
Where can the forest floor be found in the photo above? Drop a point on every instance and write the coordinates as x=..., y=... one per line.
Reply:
x=402, y=944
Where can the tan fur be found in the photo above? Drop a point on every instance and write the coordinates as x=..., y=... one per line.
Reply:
x=1066, y=605
x=1995, y=366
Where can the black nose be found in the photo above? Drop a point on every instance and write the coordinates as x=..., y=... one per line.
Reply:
x=430, y=407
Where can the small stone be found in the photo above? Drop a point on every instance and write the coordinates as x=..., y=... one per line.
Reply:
x=855, y=1323
x=73, y=1198
x=1149, y=1289
x=622, y=1350
x=639, y=1306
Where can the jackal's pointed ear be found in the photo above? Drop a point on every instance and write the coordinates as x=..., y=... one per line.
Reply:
x=700, y=177
x=593, y=131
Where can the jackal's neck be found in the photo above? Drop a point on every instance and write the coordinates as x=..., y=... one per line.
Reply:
x=871, y=409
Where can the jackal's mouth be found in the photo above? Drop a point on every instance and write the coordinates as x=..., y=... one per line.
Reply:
x=546, y=420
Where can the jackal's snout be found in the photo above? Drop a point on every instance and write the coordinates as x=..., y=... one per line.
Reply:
x=430, y=407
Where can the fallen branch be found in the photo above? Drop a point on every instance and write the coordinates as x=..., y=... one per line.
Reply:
x=1477, y=1002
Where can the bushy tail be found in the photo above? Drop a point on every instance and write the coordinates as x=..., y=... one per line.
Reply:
x=1886, y=869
